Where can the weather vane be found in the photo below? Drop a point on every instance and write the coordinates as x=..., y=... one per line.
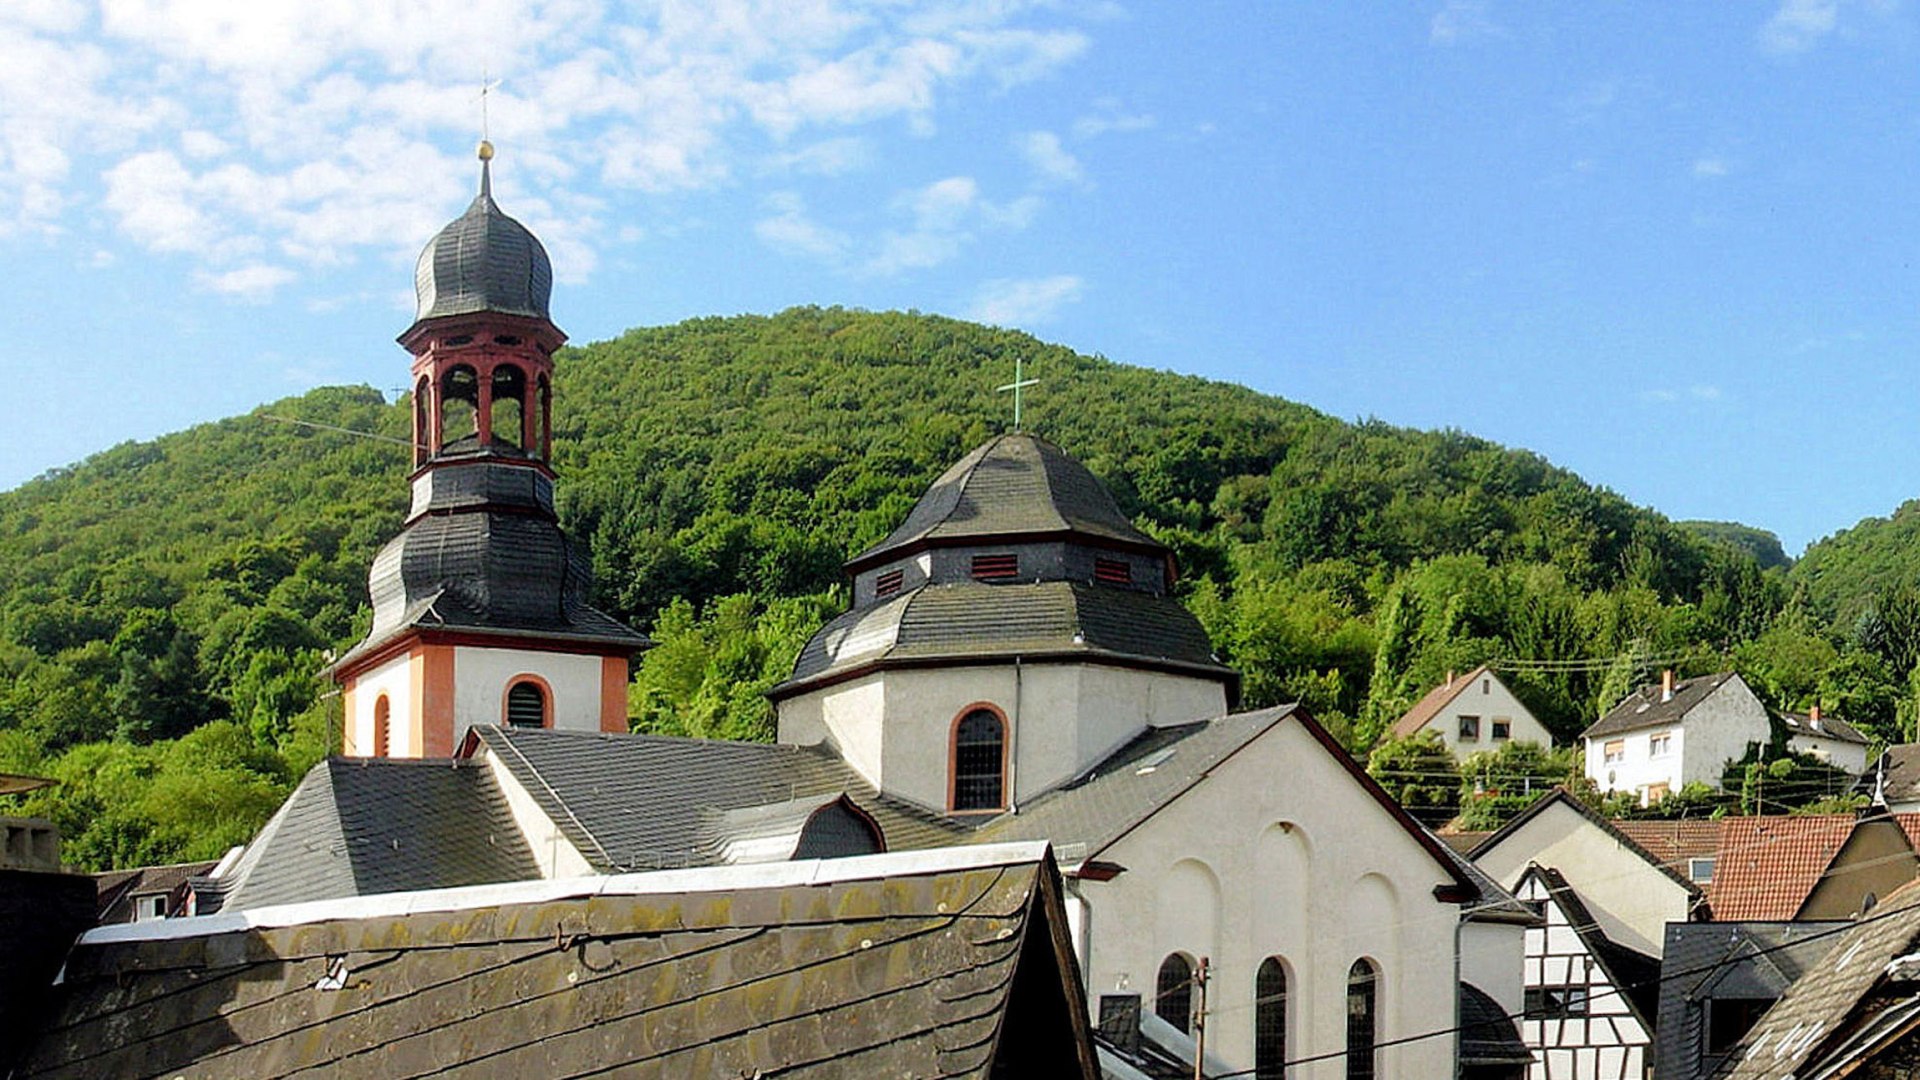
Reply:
x=487, y=87
x=1019, y=383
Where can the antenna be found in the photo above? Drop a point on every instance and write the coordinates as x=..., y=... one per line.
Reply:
x=1019, y=383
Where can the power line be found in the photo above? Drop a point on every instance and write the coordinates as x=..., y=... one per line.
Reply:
x=375, y=436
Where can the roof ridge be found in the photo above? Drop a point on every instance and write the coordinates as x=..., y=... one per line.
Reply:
x=555, y=795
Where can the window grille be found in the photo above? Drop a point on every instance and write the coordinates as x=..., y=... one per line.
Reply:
x=1270, y=1020
x=978, y=759
x=1173, y=992
x=1361, y=1021
x=996, y=567
x=526, y=706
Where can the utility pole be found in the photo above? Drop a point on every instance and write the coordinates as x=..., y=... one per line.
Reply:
x=1200, y=1019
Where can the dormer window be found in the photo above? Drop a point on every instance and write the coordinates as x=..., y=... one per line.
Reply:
x=889, y=583
x=1113, y=571
x=979, y=761
x=996, y=567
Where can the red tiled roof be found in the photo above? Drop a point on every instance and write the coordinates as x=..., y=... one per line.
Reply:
x=1675, y=842
x=1428, y=707
x=1767, y=865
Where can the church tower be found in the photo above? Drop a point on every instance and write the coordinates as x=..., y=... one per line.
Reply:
x=1014, y=631
x=480, y=611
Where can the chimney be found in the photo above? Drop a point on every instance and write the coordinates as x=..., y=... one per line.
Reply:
x=1666, y=685
x=1449, y=676
x=1813, y=714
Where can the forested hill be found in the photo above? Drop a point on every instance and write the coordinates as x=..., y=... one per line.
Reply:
x=164, y=606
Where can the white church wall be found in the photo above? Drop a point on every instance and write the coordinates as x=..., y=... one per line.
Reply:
x=1311, y=870
x=895, y=727
x=552, y=851
x=1631, y=899
x=394, y=678
x=482, y=675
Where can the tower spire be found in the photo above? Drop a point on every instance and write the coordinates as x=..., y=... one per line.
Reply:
x=486, y=168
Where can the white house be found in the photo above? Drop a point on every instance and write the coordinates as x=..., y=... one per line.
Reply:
x=1590, y=1002
x=1472, y=713
x=1828, y=738
x=1665, y=736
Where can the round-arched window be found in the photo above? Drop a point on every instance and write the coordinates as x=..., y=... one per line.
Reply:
x=382, y=725
x=1270, y=1020
x=1173, y=991
x=1363, y=1019
x=979, y=761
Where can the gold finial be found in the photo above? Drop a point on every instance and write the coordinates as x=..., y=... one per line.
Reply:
x=486, y=150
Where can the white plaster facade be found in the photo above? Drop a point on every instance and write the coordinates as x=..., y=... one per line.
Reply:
x=1278, y=852
x=1580, y=1025
x=894, y=727
x=1481, y=715
x=1630, y=898
x=1837, y=752
x=481, y=676
x=556, y=855
x=395, y=679
x=1660, y=759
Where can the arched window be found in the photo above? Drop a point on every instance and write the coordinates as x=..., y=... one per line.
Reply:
x=459, y=405
x=979, y=761
x=422, y=437
x=1362, y=1019
x=507, y=425
x=382, y=721
x=526, y=705
x=1173, y=992
x=544, y=444
x=1270, y=1020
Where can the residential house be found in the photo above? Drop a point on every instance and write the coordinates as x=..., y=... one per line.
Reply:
x=1718, y=979
x=954, y=963
x=1590, y=1001
x=1665, y=736
x=1854, y=1012
x=1472, y=713
x=1631, y=892
x=147, y=892
x=1811, y=866
x=1828, y=738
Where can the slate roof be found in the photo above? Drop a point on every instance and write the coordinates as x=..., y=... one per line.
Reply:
x=1827, y=727
x=1034, y=620
x=631, y=802
x=1903, y=774
x=1643, y=708
x=949, y=964
x=1820, y=1013
x=502, y=567
x=1429, y=706
x=1012, y=485
x=357, y=825
x=117, y=888
x=483, y=261
x=1767, y=866
x=1488, y=1036
x=1705, y=961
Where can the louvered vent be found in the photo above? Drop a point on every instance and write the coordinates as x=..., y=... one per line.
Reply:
x=996, y=567
x=888, y=583
x=1113, y=571
x=526, y=706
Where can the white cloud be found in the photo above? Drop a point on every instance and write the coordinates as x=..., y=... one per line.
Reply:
x=1667, y=396
x=1044, y=153
x=255, y=281
x=229, y=131
x=945, y=216
x=1798, y=25
x=789, y=229
x=1024, y=301
x=1709, y=167
x=1462, y=21
x=1109, y=115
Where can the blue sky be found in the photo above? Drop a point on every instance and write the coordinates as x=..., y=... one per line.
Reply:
x=1671, y=247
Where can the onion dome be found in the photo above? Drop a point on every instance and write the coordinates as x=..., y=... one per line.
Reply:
x=483, y=261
